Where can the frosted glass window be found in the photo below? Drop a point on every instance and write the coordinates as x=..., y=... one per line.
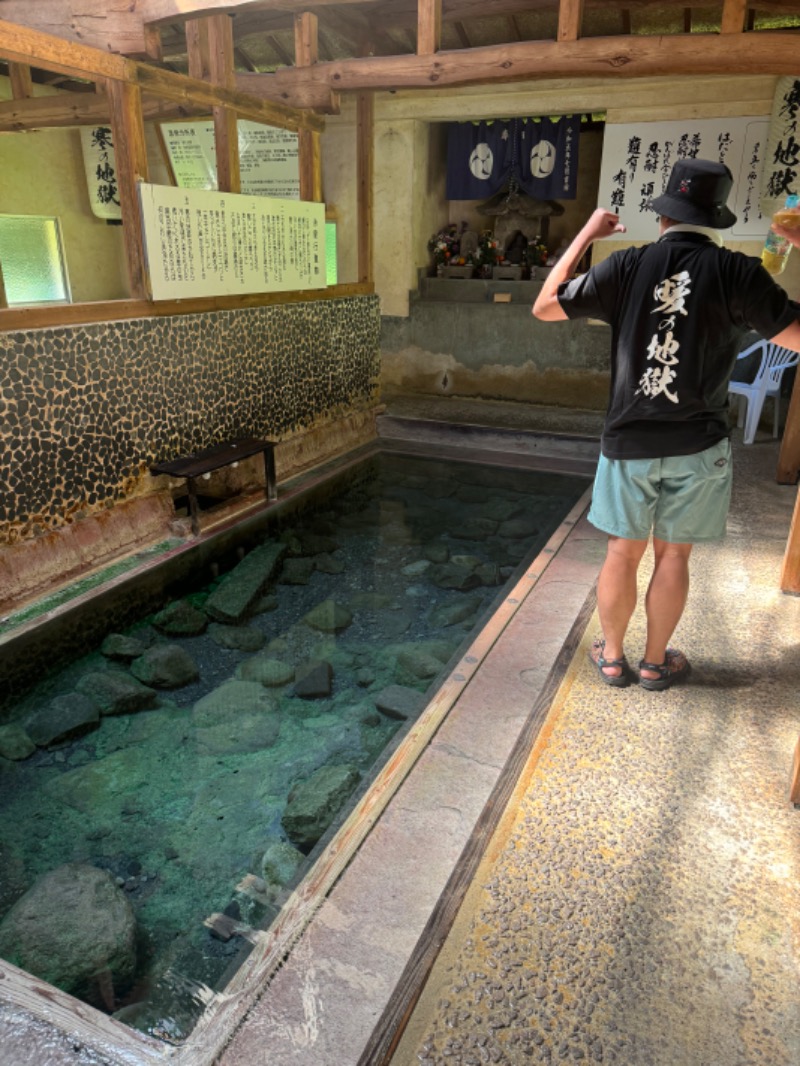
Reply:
x=331, y=270
x=32, y=260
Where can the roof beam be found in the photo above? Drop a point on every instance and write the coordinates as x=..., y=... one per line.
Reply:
x=18, y=44
x=79, y=109
x=773, y=53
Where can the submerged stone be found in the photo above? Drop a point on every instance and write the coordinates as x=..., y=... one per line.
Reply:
x=117, y=693
x=315, y=802
x=436, y=553
x=296, y=571
x=400, y=702
x=474, y=529
x=15, y=744
x=230, y=699
x=237, y=638
x=241, y=588
x=450, y=614
x=243, y=733
x=416, y=568
x=280, y=862
x=328, y=617
x=419, y=662
x=165, y=666
x=70, y=715
x=120, y=647
x=518, y=528
x=314, y=680
x=451, y=576
x=318, y=544
x=266, y=671
x=180, y=619
x=75, y=929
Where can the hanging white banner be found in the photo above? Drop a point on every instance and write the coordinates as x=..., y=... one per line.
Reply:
x=101, y=175
x=638, y=158
x=782, y=158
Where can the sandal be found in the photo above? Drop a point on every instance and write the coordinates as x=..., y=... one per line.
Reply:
x=674, y=668
x=597, y=659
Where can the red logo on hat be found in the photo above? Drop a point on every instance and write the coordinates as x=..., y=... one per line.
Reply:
x=684, y=185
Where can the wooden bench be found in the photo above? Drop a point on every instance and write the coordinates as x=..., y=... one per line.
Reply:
x=195, y=466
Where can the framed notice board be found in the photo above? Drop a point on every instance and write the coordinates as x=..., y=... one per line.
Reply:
x=268, y=157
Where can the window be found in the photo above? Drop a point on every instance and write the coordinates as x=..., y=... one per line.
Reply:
x=32, y=260
x=331, y=272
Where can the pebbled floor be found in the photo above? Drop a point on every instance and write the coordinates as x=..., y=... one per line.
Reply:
x=640, y=902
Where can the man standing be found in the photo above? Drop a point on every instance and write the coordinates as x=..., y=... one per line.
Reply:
x=678, y=309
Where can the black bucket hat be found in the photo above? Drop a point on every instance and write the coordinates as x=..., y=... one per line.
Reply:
x=696, y=193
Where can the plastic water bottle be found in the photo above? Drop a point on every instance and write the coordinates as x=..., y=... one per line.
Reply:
x=776, y=249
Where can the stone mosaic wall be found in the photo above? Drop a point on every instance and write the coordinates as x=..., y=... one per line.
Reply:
x=85, y=410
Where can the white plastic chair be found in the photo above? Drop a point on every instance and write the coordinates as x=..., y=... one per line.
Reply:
x=767, y=382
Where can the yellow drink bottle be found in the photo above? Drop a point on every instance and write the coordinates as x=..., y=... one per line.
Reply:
x=776, y=249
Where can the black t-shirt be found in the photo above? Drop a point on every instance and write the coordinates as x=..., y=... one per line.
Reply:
x=677, y=309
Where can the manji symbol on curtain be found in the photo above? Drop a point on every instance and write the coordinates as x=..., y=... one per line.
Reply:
x=539, y=154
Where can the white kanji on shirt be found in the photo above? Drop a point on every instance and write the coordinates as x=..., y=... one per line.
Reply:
x=672, y=293
x=655, y=381
x=663, y=351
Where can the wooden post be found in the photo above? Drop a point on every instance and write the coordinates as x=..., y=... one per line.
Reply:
x=734, y=13
x=789, y=458
x=197, y=49
x=21, y=82
x=794, y=784
x=130, y=153
x=429, y=27
x=570, y=15
x=364, y=166
x=221, y=72
x=790, y=572
x=306, y=51
x=3, y=297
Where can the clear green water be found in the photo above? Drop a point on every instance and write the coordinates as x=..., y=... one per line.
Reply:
x=181, y=801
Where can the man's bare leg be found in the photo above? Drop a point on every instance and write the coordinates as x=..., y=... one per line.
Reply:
x=665, y=599
x=616, y=595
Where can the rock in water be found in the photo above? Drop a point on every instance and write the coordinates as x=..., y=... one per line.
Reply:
x=315, y=802
x=74, y=929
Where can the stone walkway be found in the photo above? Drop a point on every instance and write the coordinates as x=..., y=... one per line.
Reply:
x=640, y=901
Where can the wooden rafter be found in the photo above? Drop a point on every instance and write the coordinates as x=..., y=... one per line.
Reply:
x=570, y=15
x=734, y=13
x=21, y=81
x=429, y=27
x=463, y=36
x=19, y=44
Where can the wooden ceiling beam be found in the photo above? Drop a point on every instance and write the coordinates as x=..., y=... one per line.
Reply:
x=463, y=36
x=19, y=44
x=79, y=109
x=221, y=72
x=773, y=53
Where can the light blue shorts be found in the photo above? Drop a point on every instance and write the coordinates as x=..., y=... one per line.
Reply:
x=682, y=499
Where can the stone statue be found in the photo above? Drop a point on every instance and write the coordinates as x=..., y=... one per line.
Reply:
x=469, y=243
x=515, y=247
